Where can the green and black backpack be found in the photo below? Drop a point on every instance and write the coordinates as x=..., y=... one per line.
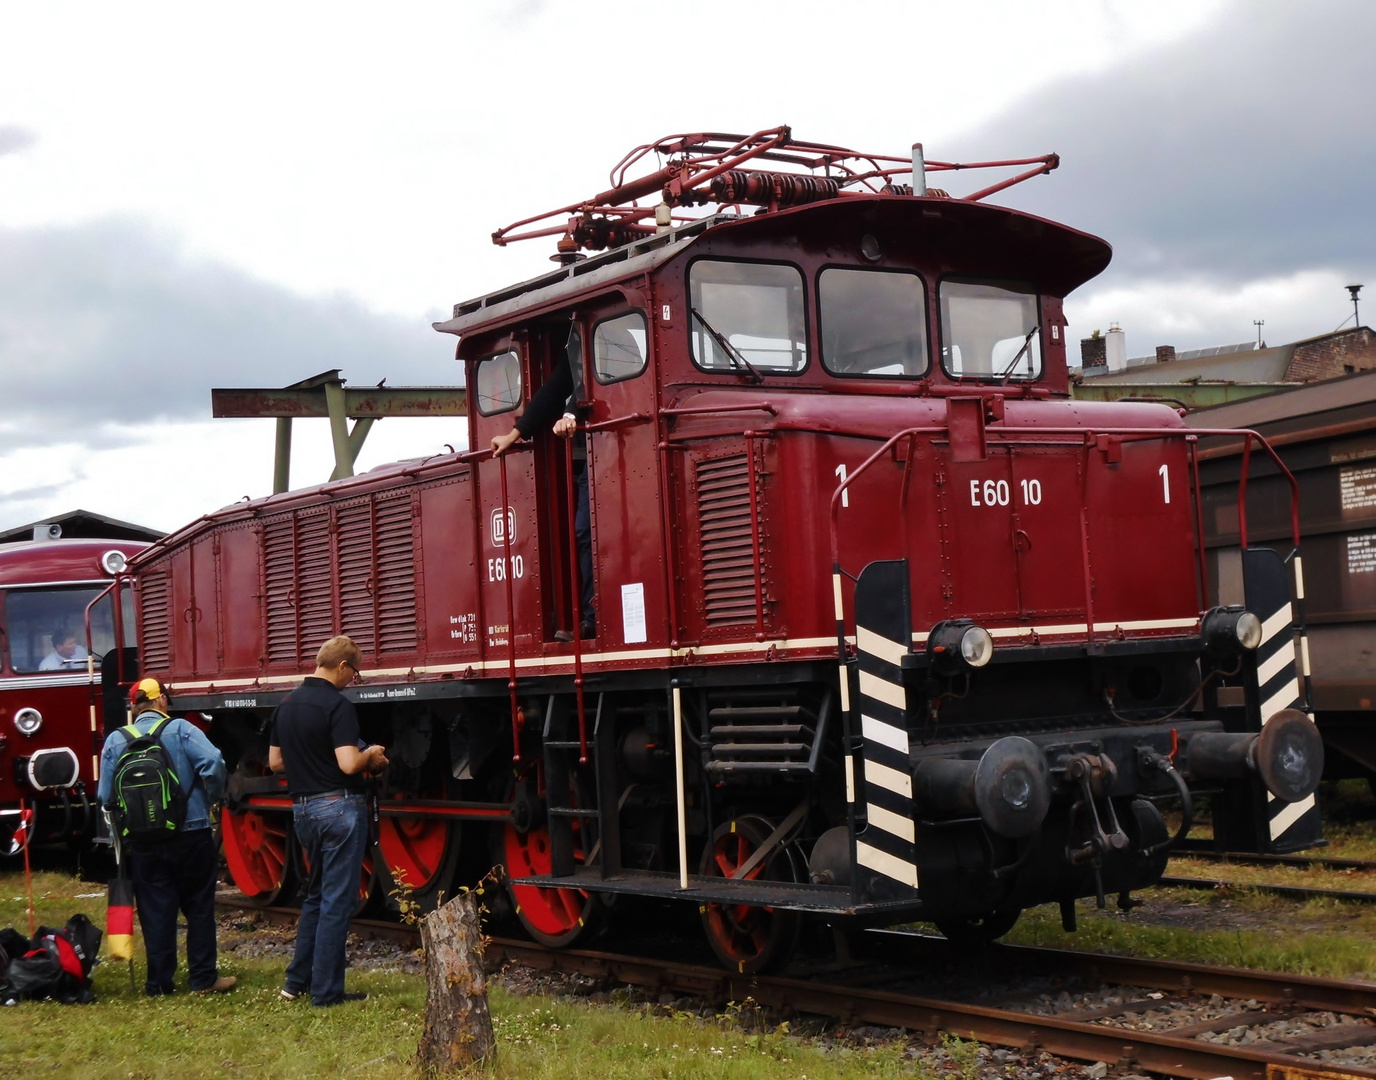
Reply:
x=146, y=796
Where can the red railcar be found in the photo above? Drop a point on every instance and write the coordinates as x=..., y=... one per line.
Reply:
x=52, y=702
x=887, y=627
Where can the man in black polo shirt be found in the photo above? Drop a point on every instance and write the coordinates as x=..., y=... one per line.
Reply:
x=314, y=738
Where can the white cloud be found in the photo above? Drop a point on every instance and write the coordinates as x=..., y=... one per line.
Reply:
x=374, y=150
x=167, y=474
x=1196, y=312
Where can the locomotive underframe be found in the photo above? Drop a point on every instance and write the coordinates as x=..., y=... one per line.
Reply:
x=458, y=733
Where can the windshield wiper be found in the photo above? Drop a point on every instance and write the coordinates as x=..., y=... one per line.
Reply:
x=1021, y=353
x=732, y=353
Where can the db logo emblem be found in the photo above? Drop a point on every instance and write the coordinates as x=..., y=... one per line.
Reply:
x=503, y=526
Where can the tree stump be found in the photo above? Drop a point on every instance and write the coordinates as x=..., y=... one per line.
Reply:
x=458, y=1026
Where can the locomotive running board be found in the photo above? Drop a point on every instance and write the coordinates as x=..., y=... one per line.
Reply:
x=793, y=896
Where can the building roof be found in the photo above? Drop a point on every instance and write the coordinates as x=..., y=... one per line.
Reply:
x=83, y=525
x=1352, y=396
x=1246, y=365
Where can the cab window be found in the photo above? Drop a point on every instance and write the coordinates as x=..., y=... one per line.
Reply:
x=619, y=347
x=46, y=628
x=747, y=318
x=873, y=322
x=989, y=330
x=499, y=383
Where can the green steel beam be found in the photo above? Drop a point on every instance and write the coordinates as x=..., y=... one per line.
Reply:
x=1189, y=395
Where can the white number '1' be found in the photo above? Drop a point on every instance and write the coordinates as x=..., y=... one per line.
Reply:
x=1165, y=474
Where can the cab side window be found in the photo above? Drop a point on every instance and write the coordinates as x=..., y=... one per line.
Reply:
x=498, y=383
x=620, y=347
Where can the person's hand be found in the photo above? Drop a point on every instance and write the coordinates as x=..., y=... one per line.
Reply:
x=377, y=758
x=502, y=443
x=565, y=426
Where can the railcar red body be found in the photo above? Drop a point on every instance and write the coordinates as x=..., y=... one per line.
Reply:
x=52, y=715
x=831, y=460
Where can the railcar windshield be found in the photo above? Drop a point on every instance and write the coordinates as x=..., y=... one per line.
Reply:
x=46, y=628
x=747, y=317
x=874, y=323
x=989, y=329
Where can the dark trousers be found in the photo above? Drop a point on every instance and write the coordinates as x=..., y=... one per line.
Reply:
x=177, y=876
x=582, y=531
x=333, y=832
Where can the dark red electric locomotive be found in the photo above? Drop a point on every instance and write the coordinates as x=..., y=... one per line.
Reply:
x=886, y=627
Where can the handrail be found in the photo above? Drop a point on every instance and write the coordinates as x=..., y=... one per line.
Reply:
x=1087, y=437
x=91, y=664
x=704, y=410
x=90, y=641
x=510, y=619
x=617, y=421
x=576, y=601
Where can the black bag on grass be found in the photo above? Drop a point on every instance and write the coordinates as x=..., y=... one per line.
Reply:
x=55, y=964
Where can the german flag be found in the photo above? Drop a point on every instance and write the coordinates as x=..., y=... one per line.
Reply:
x=119, y=918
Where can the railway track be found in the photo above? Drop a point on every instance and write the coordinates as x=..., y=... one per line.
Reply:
x=1228, y=1021
x=1297, y=862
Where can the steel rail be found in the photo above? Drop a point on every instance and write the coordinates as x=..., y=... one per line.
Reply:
x=1190, y=849
x=931, y=1017
x=1290, y=892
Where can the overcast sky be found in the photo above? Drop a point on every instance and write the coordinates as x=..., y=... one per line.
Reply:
x=194, y=197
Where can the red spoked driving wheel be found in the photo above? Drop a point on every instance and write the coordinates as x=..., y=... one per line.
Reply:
x=257, y=848
x=418, y=854
x=749, y=939
x=554, y=917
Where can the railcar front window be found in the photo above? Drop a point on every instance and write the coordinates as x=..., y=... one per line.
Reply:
x=874, y=323
x=618, y=347
x=747, y=317
x=46, y=628
x=499, y=383
x=989, y=330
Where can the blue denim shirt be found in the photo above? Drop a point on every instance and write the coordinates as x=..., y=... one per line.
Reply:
x=198, y=764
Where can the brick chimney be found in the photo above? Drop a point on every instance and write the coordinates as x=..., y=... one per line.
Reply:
x=1093, y=351
x=1165, y=354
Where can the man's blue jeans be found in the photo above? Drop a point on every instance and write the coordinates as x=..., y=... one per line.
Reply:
x=178, y=875
x=333, y=833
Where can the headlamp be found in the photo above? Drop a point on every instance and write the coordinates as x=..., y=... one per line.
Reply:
x=957, y=645
x=1227, y=631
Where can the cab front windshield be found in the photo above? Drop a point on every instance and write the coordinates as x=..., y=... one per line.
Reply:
x=989, y=330
x=46, y=628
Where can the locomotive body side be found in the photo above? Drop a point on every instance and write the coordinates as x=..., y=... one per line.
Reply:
x=52, y=708
x=886, y=628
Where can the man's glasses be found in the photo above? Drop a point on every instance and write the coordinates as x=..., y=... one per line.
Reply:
x=350, y=666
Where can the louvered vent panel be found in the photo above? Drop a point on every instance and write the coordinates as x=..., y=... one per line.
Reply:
x=396, y=577
x=155, y=622
x=728, y=561
x=314, y=589
x=355, y=535
x=280, y=582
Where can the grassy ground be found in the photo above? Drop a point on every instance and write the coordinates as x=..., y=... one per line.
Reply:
x=253, y=1033
x=1239, y=926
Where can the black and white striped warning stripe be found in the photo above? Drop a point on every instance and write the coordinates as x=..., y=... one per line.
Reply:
x=1282, y=678
x=887, y=844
